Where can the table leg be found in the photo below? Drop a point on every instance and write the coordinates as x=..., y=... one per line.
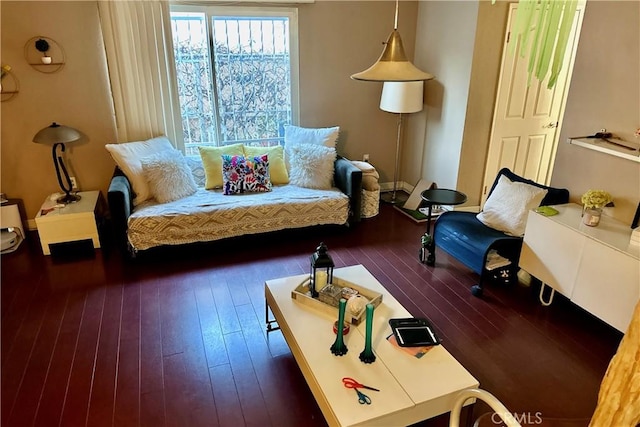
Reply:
x=270, y=322
x=431, y=258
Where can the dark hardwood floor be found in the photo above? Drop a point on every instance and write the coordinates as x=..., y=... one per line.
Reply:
x=177, y=337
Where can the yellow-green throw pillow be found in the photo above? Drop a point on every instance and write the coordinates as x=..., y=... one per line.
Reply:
x=212, y=162
x=277, y=167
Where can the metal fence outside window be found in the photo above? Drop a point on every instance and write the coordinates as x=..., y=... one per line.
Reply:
x=251, y=99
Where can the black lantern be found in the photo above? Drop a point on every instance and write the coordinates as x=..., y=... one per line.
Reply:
x=319, y=260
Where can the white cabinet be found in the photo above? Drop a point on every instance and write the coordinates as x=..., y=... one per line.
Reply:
x=595, y=267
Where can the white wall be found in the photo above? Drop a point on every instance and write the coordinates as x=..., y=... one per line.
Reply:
x=78, y=95
x=445, y=39
x=604, y=93
x=492, y=21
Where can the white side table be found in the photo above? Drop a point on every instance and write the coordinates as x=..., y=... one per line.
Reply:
x=73, y=222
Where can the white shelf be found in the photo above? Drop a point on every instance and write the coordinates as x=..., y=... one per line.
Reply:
x=603, y=146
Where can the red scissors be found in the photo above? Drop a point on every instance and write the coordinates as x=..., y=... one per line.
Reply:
x=355, y=385
x=351, y=383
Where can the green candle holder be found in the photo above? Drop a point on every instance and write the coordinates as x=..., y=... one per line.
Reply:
x=339, y=348
x=367, y=355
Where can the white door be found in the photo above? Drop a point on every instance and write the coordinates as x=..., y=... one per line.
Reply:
x=527, y=117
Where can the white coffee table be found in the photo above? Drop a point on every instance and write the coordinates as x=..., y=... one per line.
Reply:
x=411, y=389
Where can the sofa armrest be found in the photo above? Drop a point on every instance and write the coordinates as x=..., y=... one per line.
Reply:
x=120, y=199
x=348, y=178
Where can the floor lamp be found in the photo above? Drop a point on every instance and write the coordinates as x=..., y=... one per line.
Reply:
x=400, y=98
x=58, y=135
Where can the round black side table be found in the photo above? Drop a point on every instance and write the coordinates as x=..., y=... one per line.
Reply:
x=436, y=196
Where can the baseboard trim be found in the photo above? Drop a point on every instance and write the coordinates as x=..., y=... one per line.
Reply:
x=402, y=186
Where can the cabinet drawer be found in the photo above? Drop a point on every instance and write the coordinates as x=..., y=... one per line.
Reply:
x=608, y=284
x=551, y=253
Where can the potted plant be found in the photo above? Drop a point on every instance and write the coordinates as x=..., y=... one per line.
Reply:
x=43, y=46
x=593, y=201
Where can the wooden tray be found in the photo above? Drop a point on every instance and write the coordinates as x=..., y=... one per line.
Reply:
x=303, y=295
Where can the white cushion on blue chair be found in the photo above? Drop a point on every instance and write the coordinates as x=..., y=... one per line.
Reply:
x=507, y=207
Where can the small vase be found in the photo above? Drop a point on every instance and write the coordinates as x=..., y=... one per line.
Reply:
x=367, y=355
x=339, y=348
x=591, y=216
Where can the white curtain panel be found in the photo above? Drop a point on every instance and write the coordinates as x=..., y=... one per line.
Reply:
x=138, y=43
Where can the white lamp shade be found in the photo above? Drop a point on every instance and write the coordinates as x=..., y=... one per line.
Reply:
x=402, y=97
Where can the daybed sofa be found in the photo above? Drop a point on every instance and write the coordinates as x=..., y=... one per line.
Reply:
x=209, y=214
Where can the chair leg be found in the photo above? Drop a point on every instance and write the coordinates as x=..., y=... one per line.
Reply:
x=477, y=289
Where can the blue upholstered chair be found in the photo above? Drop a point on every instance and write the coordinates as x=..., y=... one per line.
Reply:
x=464, y=237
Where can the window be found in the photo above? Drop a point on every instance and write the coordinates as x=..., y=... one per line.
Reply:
x=237, y=74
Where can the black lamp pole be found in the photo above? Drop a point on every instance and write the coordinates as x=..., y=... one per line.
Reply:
x=67, y=185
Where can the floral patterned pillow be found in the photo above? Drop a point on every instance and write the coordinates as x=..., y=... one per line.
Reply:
x=259, y=180
x=240, y=175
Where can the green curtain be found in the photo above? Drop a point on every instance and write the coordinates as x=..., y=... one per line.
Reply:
x=543, y=27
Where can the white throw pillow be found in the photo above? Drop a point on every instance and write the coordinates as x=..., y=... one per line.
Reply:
x=169, y=176
x=312, y=166
x=127, y=156
x=509, y=204
x=197, y=169
x=294, y=135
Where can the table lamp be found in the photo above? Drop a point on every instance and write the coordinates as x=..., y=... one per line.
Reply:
x=59, y=135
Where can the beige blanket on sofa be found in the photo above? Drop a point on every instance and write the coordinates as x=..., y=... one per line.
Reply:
x=209, y=215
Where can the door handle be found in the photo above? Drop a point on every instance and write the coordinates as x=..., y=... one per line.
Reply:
x=550, y=125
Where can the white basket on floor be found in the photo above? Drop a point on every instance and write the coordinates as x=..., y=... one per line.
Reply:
x=370, y=203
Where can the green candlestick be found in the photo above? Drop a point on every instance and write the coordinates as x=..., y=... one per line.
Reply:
x=367, y=355
x=339, y=348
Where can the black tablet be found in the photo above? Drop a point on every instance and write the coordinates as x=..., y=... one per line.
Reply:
x=413, y=332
